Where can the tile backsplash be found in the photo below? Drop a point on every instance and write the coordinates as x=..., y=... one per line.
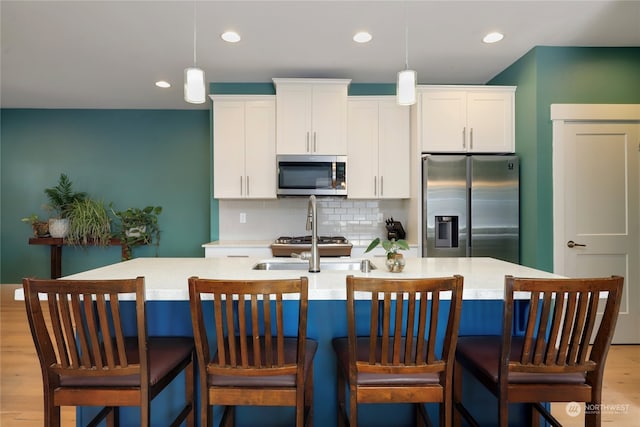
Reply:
x=269, y=219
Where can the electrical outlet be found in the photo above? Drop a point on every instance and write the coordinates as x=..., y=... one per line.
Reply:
x=243, y=217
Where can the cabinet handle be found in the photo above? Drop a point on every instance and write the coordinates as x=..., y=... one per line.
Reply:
x=248, y=185
x=470, y=138
x=307, y=141
x=381, y=186
x=315, y=145
x=375, y=185
x=464, y=137
x=241, y=185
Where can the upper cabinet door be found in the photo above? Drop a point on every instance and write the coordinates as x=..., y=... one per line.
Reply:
x=378, y=165
x=329, y=119
x=467, y=119
x=293, y=119
x=228, y=149
x=444, y=121
x=490, y=118
x=362, y=154
x=244, y=146
x=260, y=149
x=311, y=116
x=394, y=150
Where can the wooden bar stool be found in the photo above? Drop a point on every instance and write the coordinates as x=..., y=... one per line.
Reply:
x=252, y=362
x=87, y=360
x=553, y=361
x=397, y=360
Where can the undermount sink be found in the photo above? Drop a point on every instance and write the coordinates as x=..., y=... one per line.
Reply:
x=325, y=264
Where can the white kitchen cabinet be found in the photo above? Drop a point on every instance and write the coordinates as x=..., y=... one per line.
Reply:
x=311, y=116
x=237, y=249
x=467, y=119
x=378, y=148
x=244, y=147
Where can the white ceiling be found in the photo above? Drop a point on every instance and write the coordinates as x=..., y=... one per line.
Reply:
x=108, y=54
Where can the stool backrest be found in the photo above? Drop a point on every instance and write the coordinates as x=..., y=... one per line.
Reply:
x=81, y=333
x=249, y=326
x=561, y=332
x=405, y=328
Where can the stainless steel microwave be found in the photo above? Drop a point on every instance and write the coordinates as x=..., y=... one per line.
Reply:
x=303, y=175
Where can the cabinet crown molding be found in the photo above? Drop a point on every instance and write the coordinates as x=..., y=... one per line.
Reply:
x=277, y=81
x=493, y=88
x=245, y=97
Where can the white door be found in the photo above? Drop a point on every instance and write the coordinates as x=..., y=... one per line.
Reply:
x=597, y=206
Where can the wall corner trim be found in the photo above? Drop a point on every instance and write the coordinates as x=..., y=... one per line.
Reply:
x=577, y=112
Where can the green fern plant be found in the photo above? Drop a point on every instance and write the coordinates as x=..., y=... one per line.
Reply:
x=62, y=196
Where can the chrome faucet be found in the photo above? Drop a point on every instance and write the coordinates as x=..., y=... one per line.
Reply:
x=312, y=224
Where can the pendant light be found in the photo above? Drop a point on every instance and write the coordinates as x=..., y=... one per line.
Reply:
x=406, y=87
x=194, y=90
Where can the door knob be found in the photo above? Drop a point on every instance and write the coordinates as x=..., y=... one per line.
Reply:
x=572, y=244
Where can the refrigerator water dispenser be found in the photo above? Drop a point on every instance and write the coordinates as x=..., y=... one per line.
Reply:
x=446, y=228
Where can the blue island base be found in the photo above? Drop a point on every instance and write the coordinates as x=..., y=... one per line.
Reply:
x=326, y=320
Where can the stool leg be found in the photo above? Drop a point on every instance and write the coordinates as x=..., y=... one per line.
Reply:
x=457, y=394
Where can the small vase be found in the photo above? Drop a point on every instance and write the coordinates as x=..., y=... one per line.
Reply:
x=58, y=227
x=395, y=263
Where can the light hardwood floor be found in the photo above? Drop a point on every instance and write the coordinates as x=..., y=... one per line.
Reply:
x=21, y=384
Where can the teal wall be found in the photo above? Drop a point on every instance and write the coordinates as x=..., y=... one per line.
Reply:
x=132, y=158
x=558, y=75
x=162, y=157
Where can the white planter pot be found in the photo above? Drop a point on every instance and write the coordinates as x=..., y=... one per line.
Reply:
x=135, y=231
x=58, y=227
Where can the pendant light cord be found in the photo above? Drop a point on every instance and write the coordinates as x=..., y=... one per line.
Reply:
x=194, y=33
x=406, y=36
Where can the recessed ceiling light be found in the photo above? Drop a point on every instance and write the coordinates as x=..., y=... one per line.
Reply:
x=230, y=36
x=493, y=37
x=163, y=84
x=362, y=37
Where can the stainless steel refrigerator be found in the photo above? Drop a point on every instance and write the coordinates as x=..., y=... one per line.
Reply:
x=471, y=206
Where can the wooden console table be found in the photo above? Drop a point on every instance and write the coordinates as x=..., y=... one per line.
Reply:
x=56, y=245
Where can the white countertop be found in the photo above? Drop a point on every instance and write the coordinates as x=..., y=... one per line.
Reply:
x=238, y=244
x=166, y=278
x=267, y=243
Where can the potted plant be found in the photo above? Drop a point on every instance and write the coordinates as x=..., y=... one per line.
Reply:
x=138, y=227
x=40, y=228
x=60, y=199
x=89, y=223
x=395, y=260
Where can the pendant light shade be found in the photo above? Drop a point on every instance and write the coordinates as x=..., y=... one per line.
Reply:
x=407, y=79
x=406, y=89
x=194, y=90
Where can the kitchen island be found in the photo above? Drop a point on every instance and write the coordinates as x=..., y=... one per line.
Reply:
x=168, y=314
